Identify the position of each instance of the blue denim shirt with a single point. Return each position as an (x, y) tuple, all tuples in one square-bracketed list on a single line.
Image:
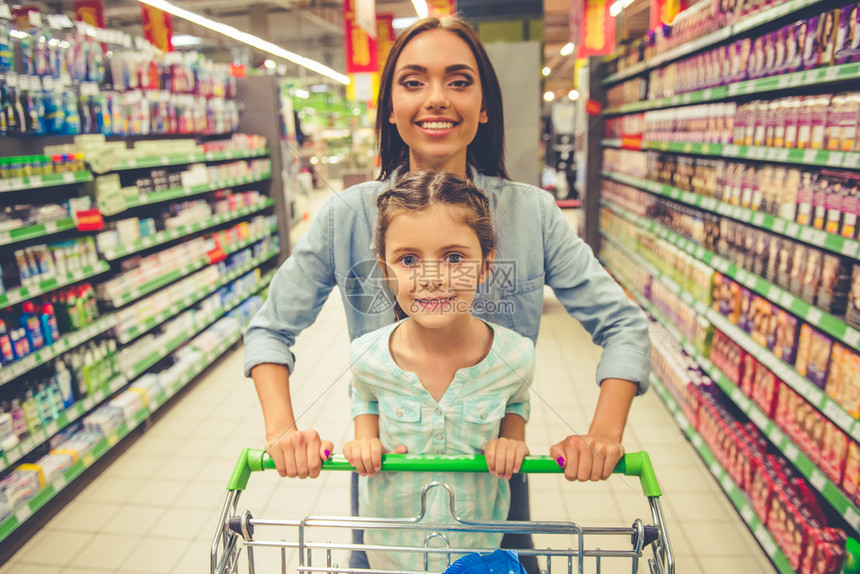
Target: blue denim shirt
[(535, 247)]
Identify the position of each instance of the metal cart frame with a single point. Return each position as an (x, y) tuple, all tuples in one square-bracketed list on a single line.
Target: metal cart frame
[(236, 528)]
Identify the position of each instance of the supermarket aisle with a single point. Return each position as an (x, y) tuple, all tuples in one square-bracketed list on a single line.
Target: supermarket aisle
[(155, 508)]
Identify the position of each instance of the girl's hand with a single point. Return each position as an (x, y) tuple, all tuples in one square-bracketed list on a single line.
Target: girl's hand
[(365, 454), (587, 457), (299, 453), (505, 456)]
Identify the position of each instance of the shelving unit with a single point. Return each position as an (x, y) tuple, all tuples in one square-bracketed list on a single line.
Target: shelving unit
[(718, 37), (110, 263), (830, 492), (818, 80)]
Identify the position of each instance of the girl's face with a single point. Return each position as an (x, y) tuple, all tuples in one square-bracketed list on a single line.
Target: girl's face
[(434, 265), (437, 100)]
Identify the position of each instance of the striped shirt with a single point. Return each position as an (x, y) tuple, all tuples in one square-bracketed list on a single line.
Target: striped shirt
[(462, 422)]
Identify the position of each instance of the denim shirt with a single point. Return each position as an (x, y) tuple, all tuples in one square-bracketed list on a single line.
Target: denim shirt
[(535, 246)]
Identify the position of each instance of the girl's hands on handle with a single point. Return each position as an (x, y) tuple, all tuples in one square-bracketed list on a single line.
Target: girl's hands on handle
[(505, 456), (365, 454)]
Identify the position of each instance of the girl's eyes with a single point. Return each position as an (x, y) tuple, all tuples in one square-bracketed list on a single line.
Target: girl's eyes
[(409, 260), (460, 83), (454, 258)]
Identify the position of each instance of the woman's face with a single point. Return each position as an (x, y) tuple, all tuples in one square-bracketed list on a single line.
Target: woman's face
[(437, 100)]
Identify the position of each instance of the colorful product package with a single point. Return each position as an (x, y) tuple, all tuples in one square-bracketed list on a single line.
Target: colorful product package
[(851, 476), (786, 336), (848, 35), (834, 452), (811, 53), (828, 23), (852, 315)]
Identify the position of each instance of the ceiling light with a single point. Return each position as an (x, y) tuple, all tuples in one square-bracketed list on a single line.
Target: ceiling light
[(180, 40), (567, 50), (247, 38), (420, 8), (573, 95), (545, 72), (270, 64), (548, 96), (300, 93)]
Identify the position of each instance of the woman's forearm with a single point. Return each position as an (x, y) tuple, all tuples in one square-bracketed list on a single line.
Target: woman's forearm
[(273, 389), (613, 406)]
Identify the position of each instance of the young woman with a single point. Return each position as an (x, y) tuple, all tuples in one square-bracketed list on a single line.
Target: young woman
[(440, 380), (440, 108)]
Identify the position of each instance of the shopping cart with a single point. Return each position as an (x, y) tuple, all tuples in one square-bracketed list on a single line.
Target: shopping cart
[(236, 528)]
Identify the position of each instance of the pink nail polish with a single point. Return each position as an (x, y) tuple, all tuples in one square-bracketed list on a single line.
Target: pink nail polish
[(327, 453), (560, 461)]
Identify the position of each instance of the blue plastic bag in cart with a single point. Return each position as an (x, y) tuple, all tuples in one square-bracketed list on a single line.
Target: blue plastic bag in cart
[(498, 562)]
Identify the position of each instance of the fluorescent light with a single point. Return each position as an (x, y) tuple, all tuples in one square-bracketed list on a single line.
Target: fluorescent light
[(300, 93), (546, 71), (403, 23), (420, 8), (567, 49), (180, 40), (548, 96), (247, 38), (573, 95)]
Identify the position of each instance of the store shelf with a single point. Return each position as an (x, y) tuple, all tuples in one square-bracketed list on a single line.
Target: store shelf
[(19, 294), (745, 25), (813, 157), (160, 160), (152, 322), (182, 192), (171, 234), (816, 77), (189, 268), (827, 241), (36, 231), (48, 180), (70, 415), (833, 326), (830, 491), (197, 326), (735, 494), (51, 490), (14, 370)]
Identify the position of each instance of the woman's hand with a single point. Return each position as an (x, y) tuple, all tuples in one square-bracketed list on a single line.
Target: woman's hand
[(365, 454), (587, 457), (505, 456), (299, 453)]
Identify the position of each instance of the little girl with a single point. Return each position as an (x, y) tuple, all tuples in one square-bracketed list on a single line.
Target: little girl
[(439, 380)]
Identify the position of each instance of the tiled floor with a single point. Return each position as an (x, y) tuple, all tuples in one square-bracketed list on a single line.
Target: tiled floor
[(155, 509)]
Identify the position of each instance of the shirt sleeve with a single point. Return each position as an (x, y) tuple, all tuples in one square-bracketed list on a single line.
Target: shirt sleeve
[(593, 297), (296, 294), (520, 402), (363, 396)]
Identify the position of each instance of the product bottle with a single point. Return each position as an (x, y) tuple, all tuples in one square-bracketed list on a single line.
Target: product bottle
[(32, 328), (31, 411), (89, 371), (54, 400), (20, 344), (63, 379), (43, 405), (80, 384), (113, 358), (19, 421), (84, 318), (7, 355), (48, 321)]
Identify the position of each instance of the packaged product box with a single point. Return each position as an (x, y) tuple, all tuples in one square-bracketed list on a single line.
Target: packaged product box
[(779, 49), (795, 43), (761, 492), (848, 35), (819, 121), (850, 206), (786, 336), (805, 190), (828, 24), (798, 267), (795, 532), (763, 321), (811, 52), (791, 118), (761, 253), (852, 314), (811, 275), (748, 375), (825, 551), (833, 205), (804, 121), (804, 349), (765, 390), (848, 122), (834, 452), (851, 476), (832, 295), (769, 54), (757, 59), (848, 389), (834, 122)]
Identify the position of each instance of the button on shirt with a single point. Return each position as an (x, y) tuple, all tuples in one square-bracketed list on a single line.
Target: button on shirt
[(462, 422)]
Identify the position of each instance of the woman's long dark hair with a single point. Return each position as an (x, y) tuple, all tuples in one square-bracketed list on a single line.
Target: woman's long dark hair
[(487, 151)]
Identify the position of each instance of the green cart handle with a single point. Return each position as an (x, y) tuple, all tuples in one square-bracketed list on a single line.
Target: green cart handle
[(632, 464)]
